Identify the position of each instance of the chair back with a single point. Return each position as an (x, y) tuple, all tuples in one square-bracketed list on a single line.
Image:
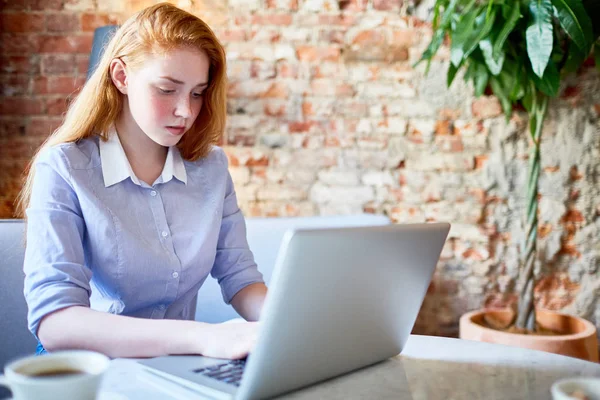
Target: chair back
[(16, 339)]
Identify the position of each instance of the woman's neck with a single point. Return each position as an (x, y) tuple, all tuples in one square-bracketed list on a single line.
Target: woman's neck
[(146, 157)]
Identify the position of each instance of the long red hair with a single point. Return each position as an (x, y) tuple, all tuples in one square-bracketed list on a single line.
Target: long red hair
[(154, 30)]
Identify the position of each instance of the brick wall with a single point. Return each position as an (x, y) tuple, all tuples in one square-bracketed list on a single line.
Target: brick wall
[(328, 116)]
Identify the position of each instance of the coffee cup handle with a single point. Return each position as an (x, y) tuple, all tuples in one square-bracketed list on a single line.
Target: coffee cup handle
[(4, 382)]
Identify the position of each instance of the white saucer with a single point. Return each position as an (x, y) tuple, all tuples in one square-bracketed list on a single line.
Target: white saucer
[(562, 389)]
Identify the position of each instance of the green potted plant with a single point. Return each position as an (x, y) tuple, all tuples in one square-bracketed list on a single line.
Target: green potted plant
[(519, 50)]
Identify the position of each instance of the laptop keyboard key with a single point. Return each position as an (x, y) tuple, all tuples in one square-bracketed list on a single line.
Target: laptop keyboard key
[(229, 372)]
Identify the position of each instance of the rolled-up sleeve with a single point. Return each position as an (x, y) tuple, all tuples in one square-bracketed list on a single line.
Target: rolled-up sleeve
[(234, 266), (55, 273)]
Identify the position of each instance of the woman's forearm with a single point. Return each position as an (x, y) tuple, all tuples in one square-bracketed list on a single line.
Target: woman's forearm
[(119, 336), (249, 301)]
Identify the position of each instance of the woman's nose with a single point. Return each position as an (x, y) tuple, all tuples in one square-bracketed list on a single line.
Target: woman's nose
[(183, 108)]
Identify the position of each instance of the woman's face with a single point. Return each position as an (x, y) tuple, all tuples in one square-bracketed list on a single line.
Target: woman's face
[(165, 94)]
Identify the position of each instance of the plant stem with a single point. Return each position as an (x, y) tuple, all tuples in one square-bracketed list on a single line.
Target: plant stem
[(537, 115)]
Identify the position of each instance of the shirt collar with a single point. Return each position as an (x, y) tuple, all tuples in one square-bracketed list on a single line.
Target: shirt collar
[(116, 167)]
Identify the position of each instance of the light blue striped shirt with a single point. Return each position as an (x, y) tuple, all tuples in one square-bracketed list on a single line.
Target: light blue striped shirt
[(98, 236)]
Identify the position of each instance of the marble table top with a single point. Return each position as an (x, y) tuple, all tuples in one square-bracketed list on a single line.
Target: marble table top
[(428, 368)]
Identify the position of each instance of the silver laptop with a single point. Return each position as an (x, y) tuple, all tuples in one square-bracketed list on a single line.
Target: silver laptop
[(340, 299)]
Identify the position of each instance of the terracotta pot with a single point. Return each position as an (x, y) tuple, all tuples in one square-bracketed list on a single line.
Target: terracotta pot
[(579, 339)]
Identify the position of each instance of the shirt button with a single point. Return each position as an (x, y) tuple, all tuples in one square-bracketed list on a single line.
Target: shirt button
[(175, 275), (161, 307), (153, 193), (164, 234)]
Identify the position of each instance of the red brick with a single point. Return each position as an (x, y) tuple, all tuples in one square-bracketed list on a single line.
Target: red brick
[(443, 127), (307, 109), (298, 127), (574, 173), (312, 53), (486, 107), (49, 5), (59, 64), (66, 44), (286, 70), (572, 216), (369, 37), (89, 22), (21, 106), (62, 22), (344, 90), (19, 44), (387, 5), (20, 64), (277, 90), (29, 5), (290, 5), (42, 126), (63, 84), (40, 85), (404, 37), (332, 36), (11, 126), (241, 140), (397, 54), (275, 110), (14, 84), (83, 62), (449, 143), (231, 35), (337, 19), (480, 161), (56, 106), (353, 5), (272, 19), (22, 22)]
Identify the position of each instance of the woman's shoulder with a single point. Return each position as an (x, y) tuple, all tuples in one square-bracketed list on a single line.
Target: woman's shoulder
[(82, 154), (216, 156)]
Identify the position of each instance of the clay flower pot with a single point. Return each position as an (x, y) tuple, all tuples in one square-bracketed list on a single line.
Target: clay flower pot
[(578, 340)]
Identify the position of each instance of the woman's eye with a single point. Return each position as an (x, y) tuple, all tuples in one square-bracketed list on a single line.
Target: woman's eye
[(198, 94), (165, 91)]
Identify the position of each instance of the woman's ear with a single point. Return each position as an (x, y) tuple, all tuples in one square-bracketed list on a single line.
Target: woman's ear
[(118, 74)]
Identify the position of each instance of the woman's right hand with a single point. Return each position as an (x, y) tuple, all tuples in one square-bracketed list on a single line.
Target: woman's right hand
[(228, 340)]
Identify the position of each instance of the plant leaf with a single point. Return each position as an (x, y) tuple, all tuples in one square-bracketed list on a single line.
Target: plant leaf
[(574, 20), (592, 8), (597, 56), (486, 23), (539, 35), (460, 37), (499, 91), (549, 83), (510, 24), (452, 70), (440, 32), (481, 78), (493, 63), (575, 59)]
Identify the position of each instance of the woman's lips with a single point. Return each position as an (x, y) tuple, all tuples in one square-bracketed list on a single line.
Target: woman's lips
[(176, 130)]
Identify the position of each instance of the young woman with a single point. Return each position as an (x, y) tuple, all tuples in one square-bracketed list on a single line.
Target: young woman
[(130, 205)]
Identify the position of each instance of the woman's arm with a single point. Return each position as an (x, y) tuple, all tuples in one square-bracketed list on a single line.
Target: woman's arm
[(120, 336), (249, 301)]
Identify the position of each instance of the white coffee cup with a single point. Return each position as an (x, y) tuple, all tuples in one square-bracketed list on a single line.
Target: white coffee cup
[(73, 375)]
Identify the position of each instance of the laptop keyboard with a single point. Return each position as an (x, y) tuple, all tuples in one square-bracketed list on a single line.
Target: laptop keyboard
[(229, 372)]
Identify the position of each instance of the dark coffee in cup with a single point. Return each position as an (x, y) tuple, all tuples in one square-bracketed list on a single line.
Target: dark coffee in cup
[(57, 373)]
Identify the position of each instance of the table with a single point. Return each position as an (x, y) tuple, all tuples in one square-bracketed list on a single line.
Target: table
[(429, 367)]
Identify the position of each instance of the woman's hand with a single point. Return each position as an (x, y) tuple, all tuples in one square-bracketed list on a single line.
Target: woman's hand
[(227, 340)]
